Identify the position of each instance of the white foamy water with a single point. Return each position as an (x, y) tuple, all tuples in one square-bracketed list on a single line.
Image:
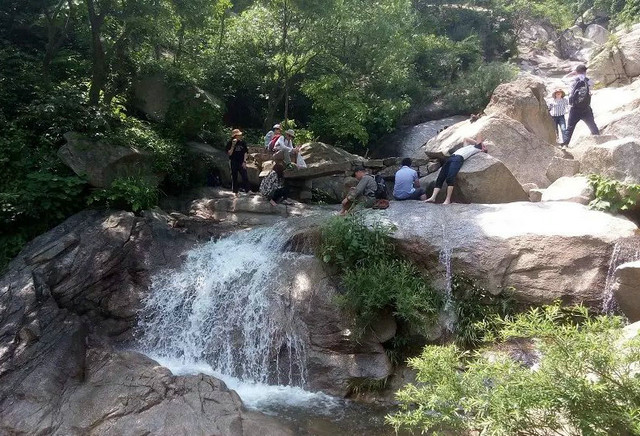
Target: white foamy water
[(261, 396), (223, 312)]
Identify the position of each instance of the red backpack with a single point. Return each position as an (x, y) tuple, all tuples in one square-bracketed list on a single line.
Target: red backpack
[(272, 143)]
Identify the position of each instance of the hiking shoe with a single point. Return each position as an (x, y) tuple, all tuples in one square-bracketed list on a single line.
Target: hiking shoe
[(290, 166), (287, 202)]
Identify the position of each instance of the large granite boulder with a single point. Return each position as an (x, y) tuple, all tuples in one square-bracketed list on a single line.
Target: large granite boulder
[(323, 160), (544, 251), (482, 179), (574, 189), (102, 163), (524, 101), (156, 97), (620, 62), (209, 162), (523, 153), (618, 158), (627, 289), (561, 167)]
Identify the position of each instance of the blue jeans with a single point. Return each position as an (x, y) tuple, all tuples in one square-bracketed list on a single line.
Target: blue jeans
[(449, 171), (560, 123)]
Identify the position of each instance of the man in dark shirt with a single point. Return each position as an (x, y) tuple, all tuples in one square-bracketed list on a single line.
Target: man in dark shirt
[(237, 151), (580, 110)]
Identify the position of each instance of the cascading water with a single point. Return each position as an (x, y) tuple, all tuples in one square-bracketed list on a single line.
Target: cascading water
[(444, 257), (226, 307), (623, 252)]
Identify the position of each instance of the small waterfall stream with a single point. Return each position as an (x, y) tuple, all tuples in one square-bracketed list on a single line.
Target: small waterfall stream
[(623, 252)]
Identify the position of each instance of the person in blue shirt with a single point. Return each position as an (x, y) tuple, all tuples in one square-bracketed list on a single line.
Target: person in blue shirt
[(407, 185)]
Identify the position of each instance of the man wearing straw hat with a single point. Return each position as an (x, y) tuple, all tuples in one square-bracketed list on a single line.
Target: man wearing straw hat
[(558, 108), (237, 150), (284, 148)]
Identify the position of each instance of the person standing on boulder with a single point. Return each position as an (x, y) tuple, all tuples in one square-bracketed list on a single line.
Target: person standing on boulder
[(450, 169), (407, 185), (237, 150), (558, 108), (580, 101)]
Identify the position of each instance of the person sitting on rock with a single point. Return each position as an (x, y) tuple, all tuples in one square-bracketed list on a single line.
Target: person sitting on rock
[(558, 108), (273, 135), (237, 150), (273, 186), (407, 185), (450, 169), (580, 101), (363, 194), (284, 149)]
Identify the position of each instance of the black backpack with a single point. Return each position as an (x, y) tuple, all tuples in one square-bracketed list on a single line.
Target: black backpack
[(580, 97), (381, 190)]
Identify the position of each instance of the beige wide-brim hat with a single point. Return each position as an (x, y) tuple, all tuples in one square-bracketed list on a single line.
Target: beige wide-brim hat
[(236, 132), (290, 133), (559, 90)]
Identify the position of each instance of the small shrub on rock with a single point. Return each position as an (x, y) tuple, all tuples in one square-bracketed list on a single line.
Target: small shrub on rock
[(129, 193), (585, 382)]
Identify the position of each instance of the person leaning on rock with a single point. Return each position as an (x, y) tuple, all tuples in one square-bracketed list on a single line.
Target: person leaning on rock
[(407, 183), (237, 150), (450, 169), (363, 194), (580, 101)]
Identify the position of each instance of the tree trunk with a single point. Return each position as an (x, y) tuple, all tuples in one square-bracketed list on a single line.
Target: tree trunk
[(55, 36), (98, 68)]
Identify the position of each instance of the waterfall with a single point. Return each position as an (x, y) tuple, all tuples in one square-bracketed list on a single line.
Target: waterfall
[(444, 257), (623, 252), (227, 308)]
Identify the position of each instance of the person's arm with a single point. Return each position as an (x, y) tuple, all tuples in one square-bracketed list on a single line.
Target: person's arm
[(231, 146), (359, 191), (246, 153), (416, 180)]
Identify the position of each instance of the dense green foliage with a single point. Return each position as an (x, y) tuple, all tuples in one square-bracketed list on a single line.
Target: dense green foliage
[(584, 383), (129, 193), (477, 311), (374, 277), (613, 195)]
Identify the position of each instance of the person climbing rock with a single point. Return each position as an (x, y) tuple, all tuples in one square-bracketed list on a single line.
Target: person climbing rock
[(363, 194), (558, 108), (284, 148), (407, 185), (580, 101), (237, 150), (273, 185), (450, 169)]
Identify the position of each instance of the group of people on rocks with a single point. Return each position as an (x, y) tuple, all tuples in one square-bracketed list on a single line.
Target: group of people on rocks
[(578, 105), (281, 145), (407, 183)]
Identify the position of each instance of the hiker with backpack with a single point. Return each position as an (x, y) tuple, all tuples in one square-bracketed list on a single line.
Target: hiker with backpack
[(407, 183), (450, 169), (272, 137), (284, 148), (237, 150), (558, 108), (363, 194), (580, 101)]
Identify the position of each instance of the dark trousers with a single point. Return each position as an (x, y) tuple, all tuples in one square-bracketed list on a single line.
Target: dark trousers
[(576, 115), (449, 171), (279, 194), (236, 167), (560, 124)]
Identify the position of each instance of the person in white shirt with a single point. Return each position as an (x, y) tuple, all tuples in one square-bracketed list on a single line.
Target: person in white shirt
[(276, 130), (450, 169), (407, 185), (284, 148), (558, 107)]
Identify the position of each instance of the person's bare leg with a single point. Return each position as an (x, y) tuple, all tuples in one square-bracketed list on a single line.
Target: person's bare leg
[(273, 203), (432, 199), (449, 194)]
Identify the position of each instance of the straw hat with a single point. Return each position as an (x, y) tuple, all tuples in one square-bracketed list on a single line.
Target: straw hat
[(559, 90), (236, 132), (290, 133)]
